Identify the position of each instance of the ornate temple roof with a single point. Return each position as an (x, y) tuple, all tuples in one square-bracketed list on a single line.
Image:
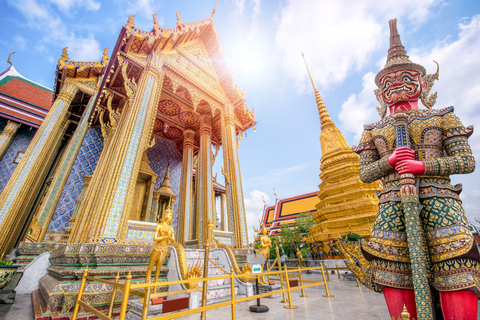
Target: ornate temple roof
[(23, 100), (198, 80), (285, 211)]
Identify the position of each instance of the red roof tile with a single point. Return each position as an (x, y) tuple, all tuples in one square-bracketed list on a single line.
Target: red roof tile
[(27, 91)]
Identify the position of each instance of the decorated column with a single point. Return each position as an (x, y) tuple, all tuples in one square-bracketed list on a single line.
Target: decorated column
[(236, 208), (204, 192), (185, 212), (7, 136), (129, 142), (61, 173), (20, 192)]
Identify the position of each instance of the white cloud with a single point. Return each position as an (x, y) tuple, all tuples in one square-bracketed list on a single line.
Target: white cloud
[(254, 210), (19, 42), (42, 18), (240, 6), (257, 7), (144, 8), (337, 37), (67, 5), (83, 49)]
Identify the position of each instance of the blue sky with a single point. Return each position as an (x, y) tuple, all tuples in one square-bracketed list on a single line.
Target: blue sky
[(345, 43)]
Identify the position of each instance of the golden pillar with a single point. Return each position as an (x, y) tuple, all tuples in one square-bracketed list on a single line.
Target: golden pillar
[(63, 169), (185, 212), (22, 188), (237, 222), (91, 199), (7, 136), (104, 217), (204, 191)]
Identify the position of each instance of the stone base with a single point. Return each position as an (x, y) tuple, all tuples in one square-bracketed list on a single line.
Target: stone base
[(7, 294), (28, 251), (264, 288), (58, 290), (136, 308), (349, 277)]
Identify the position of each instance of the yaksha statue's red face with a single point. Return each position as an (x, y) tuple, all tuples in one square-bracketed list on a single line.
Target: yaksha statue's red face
[(403, 85)]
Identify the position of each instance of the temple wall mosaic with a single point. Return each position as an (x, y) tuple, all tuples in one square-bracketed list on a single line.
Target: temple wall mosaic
[(84, 164), (160, 156), (20, 143)]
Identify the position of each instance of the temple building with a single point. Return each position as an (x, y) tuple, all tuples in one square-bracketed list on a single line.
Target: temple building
[(121, 142), (23, 106), (286, 210), (346, 204)]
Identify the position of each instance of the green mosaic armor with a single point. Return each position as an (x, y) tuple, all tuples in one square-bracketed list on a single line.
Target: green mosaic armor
[(441, 141)]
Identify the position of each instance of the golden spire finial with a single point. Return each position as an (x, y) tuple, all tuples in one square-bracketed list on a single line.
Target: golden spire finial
[(213, 12), (8, 60), (130, 22), (179, 20), (322, 109)]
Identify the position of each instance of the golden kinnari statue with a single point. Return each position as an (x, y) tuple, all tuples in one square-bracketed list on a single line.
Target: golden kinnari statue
[(163, 236), (265, 244)]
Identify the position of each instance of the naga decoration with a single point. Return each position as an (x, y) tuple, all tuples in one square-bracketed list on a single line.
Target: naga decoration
[(245, 270), (156, 25), (113, 115), (421, 248), (130, 84), (64, 58)]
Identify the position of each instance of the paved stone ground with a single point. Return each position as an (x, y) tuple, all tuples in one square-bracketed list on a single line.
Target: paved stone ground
[(350, 302)]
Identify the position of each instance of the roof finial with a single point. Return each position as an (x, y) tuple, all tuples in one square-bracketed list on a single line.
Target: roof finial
[(130, 21), (213, 12), (156, 24), (179, 20), (8, 60), (322, 109)]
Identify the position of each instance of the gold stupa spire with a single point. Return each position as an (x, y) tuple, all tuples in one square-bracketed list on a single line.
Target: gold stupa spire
[(345, 203), (322, 110)]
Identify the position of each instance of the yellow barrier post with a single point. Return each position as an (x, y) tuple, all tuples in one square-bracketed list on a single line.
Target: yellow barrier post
[(326, 286), (80, 292), (300, 264), (358, 282), (281, 276), (338, 271), (326, 271), (206, 246), (290, 306), (114, 293), (232, 292), (146, 301), (126, 293)]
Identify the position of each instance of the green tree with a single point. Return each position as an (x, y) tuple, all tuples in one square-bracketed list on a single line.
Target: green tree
[(293, 236)]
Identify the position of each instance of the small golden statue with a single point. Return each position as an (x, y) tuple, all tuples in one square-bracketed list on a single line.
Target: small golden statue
[(163, 236), (265, 244)]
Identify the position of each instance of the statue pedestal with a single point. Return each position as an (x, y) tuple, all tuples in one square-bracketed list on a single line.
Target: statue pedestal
[(7, 294), (264, 288)]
